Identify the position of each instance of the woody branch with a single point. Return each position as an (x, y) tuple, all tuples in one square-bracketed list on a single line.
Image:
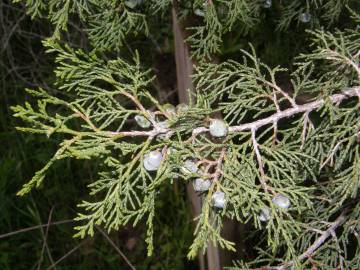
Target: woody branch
[(273, 119), (316, 244)]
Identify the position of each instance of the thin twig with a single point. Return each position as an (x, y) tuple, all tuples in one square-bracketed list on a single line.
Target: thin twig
[(135, 100), (333, 151), (219, 162), (304, 131), (318, 242), (260, 163), (275, 125), (87, 120), (276, 101), (35, 227), (116, 248), (278, 89), (68, 254), (45, 245)]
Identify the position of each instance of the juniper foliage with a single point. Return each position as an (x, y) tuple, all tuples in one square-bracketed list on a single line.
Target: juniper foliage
[(301, 142)]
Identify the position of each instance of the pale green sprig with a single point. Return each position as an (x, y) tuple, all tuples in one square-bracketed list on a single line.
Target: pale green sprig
[(279, 144)]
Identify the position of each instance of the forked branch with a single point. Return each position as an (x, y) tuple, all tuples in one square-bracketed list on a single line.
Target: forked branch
[(311, 250), (308, 107)]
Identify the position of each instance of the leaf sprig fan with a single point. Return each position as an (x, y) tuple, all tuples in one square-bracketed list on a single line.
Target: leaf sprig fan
[(288, 167)]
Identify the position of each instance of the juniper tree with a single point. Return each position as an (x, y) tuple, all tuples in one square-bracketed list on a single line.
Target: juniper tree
[(281, 158)]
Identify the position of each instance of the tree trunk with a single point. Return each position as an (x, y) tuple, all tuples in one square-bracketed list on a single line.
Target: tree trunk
[(184, 70)]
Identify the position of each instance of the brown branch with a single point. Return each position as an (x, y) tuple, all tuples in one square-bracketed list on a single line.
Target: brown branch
[(135, 100), (195, 133), (276, 102), (275, 125), (137, 133), (273, 119), (87, 120), (352, 92), (219, 162), (278, 89), (260, 163)]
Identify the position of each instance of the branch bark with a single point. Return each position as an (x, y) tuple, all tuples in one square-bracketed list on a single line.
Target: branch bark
[(273, 119), (308, 107)]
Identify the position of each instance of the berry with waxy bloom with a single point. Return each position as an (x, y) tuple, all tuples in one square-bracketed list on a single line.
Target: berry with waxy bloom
[(218, 128), (189, 167), (142, 121), (133, 3), (152, 160), (281, 201), (265, 214), (305, 17), (201, 185), (199, 12), (219, 199), (267, 4)]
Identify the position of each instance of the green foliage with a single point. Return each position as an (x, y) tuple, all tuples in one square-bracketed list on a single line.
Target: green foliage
[(23, 63), (112, 22), (299, 140)]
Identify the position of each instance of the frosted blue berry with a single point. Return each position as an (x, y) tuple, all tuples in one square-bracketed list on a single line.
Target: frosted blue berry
[(281, 201), (201, 185), (152, 160), (189, 167), (267, 4), (305, 17), (199, 12), (142, 121), (218, 128), (265, 214), (219, 199), (131, 3)]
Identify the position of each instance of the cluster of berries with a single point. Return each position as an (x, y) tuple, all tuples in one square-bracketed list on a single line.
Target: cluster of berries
[(170, 111), (152, 160), (279, 200), (202, 184), (218, 129)]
